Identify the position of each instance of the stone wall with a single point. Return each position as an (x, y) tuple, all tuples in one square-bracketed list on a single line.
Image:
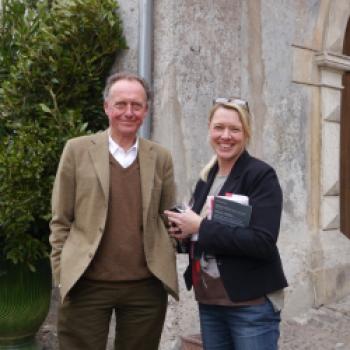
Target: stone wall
[(195, 59)]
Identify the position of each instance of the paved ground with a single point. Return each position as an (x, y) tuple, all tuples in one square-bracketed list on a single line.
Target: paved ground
[(326, 328)]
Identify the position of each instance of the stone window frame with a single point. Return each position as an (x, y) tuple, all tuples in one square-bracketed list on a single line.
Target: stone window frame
[(332, 67)]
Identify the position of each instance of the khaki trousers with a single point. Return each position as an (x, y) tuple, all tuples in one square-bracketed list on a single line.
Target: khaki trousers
[(139, 306)]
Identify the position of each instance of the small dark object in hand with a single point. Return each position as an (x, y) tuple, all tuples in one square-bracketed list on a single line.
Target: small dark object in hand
[(176, 209)]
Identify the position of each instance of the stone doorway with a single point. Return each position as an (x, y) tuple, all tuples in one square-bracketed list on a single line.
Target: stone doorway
[(345, 145)]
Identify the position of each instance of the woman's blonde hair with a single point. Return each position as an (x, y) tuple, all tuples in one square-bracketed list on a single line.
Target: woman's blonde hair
[(244, 117)]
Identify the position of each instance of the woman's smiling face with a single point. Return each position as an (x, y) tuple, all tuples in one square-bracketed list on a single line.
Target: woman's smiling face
[(226, 135)]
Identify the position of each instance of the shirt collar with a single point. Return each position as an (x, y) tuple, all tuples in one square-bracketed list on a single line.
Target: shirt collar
[(114, 147)]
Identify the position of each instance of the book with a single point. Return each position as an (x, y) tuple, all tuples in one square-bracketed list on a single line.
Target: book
[(231, 210)]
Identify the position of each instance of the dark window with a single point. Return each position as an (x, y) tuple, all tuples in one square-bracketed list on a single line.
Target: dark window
[(345, 145)]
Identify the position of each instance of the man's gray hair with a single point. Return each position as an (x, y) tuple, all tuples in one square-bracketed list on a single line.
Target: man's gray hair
[(126, 76)]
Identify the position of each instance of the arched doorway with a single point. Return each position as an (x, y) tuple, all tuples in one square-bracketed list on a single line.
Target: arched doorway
[(345, 145)]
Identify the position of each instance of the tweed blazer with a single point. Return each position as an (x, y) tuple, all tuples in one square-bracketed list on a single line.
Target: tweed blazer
[(80, 205), (247, 257)]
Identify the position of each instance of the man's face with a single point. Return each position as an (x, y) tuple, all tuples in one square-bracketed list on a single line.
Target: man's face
[(126, 108)]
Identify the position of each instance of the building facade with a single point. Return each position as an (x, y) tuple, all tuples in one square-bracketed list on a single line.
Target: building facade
[(291, 61)]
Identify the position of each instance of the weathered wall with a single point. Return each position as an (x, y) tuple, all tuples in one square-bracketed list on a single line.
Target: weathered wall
[(129, 12), (195, 59), (263, 51), (281, 124)]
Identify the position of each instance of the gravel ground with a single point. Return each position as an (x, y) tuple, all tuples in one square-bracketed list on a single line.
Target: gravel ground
[(326, 328)]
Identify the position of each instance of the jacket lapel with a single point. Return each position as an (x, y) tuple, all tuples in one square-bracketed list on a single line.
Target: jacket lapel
[(147, 160), (235, 173), (204, 189), (100, 158)]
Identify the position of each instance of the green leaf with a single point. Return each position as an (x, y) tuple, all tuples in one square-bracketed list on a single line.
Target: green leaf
[(44, 108)]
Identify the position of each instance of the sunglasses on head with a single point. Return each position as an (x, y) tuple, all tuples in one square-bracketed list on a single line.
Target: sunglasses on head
[(232, 101)]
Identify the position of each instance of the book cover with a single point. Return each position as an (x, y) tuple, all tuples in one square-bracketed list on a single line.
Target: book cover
[(226, 210)]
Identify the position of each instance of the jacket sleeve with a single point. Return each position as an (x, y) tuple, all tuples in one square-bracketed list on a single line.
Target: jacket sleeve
[(258, 240), (63, 198), (167, 199)]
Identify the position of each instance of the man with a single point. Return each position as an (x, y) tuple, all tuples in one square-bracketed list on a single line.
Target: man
[(110, 247)]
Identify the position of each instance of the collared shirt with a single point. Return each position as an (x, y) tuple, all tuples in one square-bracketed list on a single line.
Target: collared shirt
[(124, 158)]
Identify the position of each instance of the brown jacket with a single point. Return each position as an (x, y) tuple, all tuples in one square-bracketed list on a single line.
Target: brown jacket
[(80, 203)]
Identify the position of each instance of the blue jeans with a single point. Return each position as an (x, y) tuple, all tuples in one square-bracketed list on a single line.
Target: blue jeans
[(253, 327)]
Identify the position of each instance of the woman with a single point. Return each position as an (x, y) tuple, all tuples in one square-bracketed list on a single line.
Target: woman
[(236, 271)]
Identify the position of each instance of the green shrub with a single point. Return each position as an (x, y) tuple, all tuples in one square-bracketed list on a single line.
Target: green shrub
[(54, 59)]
